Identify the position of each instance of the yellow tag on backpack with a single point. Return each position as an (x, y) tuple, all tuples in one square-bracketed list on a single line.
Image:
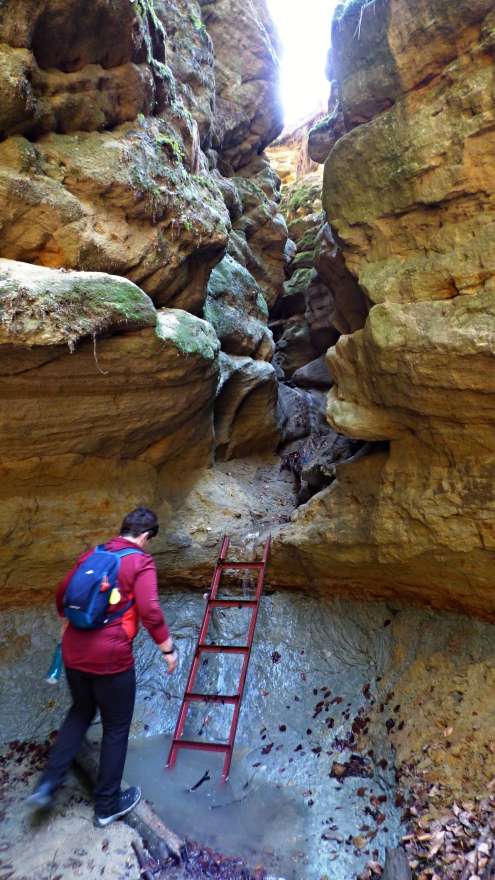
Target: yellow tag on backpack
[(115, 597)]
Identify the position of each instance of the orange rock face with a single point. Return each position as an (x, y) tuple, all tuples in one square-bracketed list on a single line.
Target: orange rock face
[(121, 127), (409, 190)]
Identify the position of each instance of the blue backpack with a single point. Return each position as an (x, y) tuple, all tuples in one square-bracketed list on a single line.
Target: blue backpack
[(87, 596)]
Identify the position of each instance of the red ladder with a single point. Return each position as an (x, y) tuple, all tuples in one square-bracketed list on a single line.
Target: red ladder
[(201, 647)]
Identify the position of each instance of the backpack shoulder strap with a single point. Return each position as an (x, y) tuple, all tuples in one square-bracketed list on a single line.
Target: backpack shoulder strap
[(127, 551)]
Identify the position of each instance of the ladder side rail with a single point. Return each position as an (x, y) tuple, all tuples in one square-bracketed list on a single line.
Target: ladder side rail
[(191, 679), (242, 680), (200, 646), (185, 705), (215, 581)]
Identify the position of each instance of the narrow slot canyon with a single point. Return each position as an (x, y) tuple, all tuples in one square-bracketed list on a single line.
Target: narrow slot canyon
[(257, 318)]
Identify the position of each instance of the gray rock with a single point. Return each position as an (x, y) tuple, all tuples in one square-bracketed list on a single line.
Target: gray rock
[(245, 410), (236, 308), (294, 413), (314, 375)]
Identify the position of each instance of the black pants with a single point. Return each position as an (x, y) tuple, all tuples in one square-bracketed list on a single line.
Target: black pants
[(114, 696)]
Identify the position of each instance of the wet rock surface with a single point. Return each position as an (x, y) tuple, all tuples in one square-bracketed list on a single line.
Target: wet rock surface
[(335, 689)]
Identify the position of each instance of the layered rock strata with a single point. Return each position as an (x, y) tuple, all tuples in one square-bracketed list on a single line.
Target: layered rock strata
[(131, 166), (101, 392), (408, 191)]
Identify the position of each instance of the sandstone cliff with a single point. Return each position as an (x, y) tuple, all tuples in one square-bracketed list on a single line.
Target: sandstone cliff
[(409, 194), (131, 165)]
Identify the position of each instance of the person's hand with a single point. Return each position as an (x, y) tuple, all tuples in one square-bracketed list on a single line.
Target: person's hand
[(171, 661)]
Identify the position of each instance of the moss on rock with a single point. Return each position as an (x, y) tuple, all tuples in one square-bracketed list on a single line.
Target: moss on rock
[(236, 307), (190, 335), (40, 306)]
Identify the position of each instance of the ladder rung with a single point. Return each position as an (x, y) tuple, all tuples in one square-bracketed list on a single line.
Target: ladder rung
[(212, 698), (226, 564), (201, 746), (202, 647)]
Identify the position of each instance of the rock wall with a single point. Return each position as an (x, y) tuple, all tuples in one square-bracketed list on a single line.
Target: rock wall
[(409, 193), (289, 153), (340, 696), (131, 148), (131, 166)]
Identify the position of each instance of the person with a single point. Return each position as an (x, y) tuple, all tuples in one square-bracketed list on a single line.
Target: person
[(99, 666)]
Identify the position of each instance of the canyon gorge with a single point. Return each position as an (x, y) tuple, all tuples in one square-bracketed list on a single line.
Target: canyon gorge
[(256, 331)]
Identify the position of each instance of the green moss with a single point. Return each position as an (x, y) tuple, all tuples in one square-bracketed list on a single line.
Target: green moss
[(190, 335), (299, 281), (262, 306), (164, 73), (204, 180), (197, 21), (301, 197), (322, 124), (68, 306), (235, 306), (173, 146)]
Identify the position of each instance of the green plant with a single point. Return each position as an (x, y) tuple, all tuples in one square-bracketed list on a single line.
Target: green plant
[(172, 144), (197, 22)]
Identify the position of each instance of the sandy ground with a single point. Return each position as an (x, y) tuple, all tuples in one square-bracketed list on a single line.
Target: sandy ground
[(60, 844)]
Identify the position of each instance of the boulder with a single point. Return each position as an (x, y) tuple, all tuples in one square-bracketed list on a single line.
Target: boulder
[(294, 413), (108, 393), (261, 230), (325, 134), (237, 310), (409, 192), (348, 305), (246, 408), (109, 200), (40, 306), (315, 374), (294, 348)]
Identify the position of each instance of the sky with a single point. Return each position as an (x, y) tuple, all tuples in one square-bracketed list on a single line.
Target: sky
[(304, 30)]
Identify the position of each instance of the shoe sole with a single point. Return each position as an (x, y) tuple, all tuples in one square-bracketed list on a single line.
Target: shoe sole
[(101, 822)]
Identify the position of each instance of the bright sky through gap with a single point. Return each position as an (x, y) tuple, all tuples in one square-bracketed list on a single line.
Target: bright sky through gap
[(304, 30)]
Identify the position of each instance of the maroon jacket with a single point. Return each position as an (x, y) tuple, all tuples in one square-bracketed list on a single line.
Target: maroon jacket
[(108, 650)]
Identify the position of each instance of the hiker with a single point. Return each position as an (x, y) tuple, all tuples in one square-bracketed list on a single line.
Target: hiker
[(99, 663)]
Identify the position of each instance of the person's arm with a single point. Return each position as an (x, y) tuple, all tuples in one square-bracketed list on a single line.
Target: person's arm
[(150, 613)]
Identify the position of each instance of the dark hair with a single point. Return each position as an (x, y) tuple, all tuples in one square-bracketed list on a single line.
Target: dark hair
[(140, 520)]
